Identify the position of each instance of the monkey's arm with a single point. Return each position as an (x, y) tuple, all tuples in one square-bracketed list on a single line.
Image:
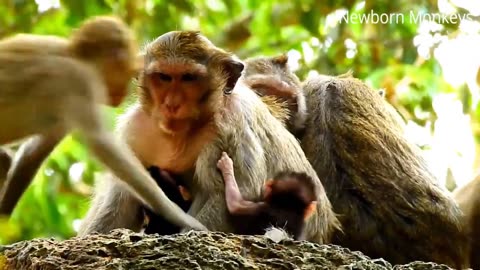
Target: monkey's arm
[(25, 165), (113, 207), (271, 84), (128, 168), (236, 205)]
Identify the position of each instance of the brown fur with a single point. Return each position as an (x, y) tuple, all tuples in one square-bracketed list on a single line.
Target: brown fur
[(270, 77), (389, 204), (53, 85), (286, 202), (469, 201), (183, 128)]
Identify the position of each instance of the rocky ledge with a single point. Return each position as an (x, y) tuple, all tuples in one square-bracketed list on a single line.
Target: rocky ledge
[(124, 249)]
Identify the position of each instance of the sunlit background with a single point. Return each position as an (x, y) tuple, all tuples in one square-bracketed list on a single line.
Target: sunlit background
[(429, 70)]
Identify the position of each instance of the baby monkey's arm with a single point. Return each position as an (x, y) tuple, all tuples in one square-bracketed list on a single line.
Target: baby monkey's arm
[(236, 205)]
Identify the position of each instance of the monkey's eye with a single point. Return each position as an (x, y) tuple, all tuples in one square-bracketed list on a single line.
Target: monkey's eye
[(163, 77), (188, 77)]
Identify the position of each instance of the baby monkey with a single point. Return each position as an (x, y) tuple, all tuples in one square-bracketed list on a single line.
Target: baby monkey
[(172, 185), (270, 77), (289, 199)]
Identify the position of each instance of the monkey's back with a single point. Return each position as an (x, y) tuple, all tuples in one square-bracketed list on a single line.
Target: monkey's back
[(32, 85), (388, 202)]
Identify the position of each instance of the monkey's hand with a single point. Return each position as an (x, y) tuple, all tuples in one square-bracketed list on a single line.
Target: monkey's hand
[(225, 165)]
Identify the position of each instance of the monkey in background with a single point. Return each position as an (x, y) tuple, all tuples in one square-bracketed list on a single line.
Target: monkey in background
[(468, 199), (288, 200), (387, 200), (54, 85), (192, 106), (271, 77)]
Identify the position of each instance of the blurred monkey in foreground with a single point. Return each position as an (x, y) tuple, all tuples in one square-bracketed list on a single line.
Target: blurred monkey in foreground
[(50, 86)]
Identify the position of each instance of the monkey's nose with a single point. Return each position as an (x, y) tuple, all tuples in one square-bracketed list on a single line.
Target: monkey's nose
[(172, 108)]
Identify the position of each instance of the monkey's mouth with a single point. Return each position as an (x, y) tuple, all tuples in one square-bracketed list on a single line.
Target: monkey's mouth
[(174, 126)]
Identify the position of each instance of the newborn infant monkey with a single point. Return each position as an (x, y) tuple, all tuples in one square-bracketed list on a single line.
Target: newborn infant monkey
[(289, 199)]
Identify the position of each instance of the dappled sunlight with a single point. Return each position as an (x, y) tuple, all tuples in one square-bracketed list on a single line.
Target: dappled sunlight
[(459, 58), (44, 5), (451, 145), (76, 171), (294, 57)]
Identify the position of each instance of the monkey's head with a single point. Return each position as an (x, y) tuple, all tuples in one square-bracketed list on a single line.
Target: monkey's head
[(184, 79), (294, 189), (108, 44), (276, 66)]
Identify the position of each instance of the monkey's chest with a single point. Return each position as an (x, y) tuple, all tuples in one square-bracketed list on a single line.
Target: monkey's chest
[(170, 157)]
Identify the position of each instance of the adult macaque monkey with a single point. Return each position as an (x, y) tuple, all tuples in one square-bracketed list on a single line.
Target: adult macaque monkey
[(468, 198), (50, 85), (389, 204), (187, 114)]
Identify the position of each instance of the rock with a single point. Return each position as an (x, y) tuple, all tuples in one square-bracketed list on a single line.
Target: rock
[(124, 249)]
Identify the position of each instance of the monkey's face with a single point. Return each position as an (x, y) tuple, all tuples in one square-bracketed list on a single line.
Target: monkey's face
[(109, 45), (118, 68), (184, 79), (117, 74)]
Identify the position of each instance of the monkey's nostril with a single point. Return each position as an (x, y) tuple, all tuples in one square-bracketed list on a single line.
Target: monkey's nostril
[(172, 108)]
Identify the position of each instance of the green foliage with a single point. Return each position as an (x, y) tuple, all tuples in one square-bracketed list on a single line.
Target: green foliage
[(383, 54)]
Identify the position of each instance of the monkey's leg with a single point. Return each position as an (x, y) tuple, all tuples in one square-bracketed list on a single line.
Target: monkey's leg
[(25, 165), (113, 207)]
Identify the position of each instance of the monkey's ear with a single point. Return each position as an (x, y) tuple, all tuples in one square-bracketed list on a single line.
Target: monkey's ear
[(280, 60), (234, 67), (310, 210), (268, 188), (269, 183)]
